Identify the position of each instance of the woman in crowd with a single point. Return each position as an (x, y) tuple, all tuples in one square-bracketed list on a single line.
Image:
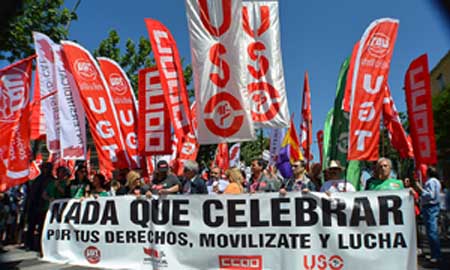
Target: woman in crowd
[(235, 178), (98, 186)]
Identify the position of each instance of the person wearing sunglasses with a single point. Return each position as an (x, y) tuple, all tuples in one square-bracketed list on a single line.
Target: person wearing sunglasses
[(300, 181)]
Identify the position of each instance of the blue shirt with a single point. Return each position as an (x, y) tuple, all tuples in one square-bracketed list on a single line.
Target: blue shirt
[(431, 191)]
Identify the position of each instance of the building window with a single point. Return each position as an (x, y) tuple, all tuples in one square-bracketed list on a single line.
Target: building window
[(441, 82)]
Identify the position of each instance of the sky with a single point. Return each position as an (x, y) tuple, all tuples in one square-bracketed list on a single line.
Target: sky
[(316, 36)]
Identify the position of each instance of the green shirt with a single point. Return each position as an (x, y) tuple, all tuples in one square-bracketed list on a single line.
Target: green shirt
[(388, 184)]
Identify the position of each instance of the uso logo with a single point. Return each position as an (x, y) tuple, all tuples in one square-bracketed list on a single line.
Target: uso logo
[(232, 262), (92, 254), (85, 69), (379, 45), (322, 262)]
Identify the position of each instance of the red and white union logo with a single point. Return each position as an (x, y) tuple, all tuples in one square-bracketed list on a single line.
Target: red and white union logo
[(85, 69)]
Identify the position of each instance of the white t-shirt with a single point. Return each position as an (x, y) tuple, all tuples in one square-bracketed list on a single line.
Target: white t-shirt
[(337, 186)]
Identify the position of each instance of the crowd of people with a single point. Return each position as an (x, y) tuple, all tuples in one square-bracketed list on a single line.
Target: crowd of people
[(23, 208)]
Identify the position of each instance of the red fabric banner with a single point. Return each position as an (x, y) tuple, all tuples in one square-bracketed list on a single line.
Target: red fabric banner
[(37, 115), (121, 91), (222, 159), (420, 112), (171, 74), (348, 85), (154, 126), (371, 69), (320, 144), (397, 134), (97, 103), (306, 125), (15, 112)]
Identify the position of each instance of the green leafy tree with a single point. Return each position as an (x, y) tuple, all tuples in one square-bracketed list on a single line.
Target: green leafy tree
[(134, 58), (23, 17), (441, 115)]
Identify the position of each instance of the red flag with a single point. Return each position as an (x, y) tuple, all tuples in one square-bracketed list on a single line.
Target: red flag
[(125, 105), (171, 75), (154, 135), (15, 82), (34, 170), (100, 112), (394, 126), (371, 69), (320, 143), (37, 115), (420, 112), (348, 85), (222, 159), (38, 159), (306, 125)]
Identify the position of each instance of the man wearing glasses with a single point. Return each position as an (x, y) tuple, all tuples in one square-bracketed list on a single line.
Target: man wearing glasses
[(300, 181)]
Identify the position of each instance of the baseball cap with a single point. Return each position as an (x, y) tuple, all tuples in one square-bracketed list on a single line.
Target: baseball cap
[(162, 166)]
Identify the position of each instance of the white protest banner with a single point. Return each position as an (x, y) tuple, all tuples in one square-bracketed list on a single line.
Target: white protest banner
[(47, 85), (263, 67), (71, 112), (223, 110), (258, 231)]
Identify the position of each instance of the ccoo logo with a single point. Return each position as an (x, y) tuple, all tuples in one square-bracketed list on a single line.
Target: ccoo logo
[(232, 262), (85, 69)]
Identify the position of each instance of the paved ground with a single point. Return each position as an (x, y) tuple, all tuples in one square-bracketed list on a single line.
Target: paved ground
[(15, 258)]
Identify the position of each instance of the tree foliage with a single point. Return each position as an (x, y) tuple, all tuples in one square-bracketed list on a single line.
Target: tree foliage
[(441, 115), (134, 58), (24, 17)]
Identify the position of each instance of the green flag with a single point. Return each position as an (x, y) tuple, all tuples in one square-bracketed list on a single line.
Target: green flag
[(326, 139), (338, 144)]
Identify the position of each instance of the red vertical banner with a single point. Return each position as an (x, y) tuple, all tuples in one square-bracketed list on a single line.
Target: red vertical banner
[(97, 103), (124, 101), (37, 115), (348, 85), (306, 125), (371, 70), (154, 135), (222, 159), (420, 112), (171, 75), (393, 124), (15, 112), (320, 144)]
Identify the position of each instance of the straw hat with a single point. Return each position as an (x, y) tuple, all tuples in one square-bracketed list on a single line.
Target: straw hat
[(335, 164)]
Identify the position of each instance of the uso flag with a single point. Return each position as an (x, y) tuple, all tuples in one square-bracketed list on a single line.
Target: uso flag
[(222, 100), (263, 68)]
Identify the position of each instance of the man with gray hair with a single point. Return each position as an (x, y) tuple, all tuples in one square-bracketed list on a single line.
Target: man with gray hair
[(382, 178), (192, 182)]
